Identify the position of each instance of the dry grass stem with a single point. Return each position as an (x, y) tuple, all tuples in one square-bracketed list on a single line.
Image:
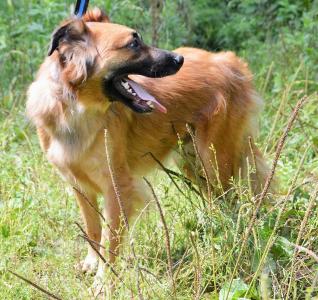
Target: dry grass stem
[(309, 252), (115, 187), (123, 213), (89, 202), (303, 224), (172, 173), (269, 179), (50, 295), (107, 264), (198, 271), (282, 206), (209, 192), (166, 231)]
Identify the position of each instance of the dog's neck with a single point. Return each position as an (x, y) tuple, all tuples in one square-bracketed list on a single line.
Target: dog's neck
[(76, 132), (69, 124), (77, 124)]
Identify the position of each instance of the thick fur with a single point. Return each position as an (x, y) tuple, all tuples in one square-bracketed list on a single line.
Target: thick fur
[(212, 93)]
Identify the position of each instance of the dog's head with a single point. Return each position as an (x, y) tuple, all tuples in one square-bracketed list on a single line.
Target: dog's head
[(96, 57)]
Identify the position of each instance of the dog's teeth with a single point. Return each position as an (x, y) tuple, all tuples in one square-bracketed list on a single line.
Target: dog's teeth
[(134, 94), (150, 104), (125, 85)]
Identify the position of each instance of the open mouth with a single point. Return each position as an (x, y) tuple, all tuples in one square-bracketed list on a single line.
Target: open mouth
[(135, 96)]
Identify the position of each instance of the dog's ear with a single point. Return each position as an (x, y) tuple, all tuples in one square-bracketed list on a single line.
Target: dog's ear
[(76, 52), (57, 35), (74, 30), (96, 15)]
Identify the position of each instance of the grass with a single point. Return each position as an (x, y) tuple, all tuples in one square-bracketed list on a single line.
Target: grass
[(40, 241)]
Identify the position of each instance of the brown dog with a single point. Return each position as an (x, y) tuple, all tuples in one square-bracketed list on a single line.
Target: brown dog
[(91, 81)]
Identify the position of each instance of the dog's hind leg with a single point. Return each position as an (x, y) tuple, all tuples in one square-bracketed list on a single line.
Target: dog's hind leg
[(89, 211), (204, 164), (188, 163)]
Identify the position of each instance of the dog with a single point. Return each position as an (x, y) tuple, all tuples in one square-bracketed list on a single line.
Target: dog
[(100, 77)]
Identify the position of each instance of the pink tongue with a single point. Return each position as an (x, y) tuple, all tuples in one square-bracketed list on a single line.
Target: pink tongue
[(144, 95)]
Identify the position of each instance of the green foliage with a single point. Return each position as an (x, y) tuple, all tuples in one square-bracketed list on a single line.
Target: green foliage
[(38, 238), (232, 23), (238, 290)]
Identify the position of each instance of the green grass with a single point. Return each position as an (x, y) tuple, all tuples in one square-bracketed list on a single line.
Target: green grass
[(38, 236)]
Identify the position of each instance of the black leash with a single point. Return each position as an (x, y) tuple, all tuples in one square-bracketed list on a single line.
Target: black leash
[(81, 8)]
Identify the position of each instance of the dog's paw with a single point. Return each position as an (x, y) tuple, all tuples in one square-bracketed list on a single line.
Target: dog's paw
[(103, 285), (89, 264), (98, 287)]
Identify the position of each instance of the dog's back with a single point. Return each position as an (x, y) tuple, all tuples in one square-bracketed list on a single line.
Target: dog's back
[(214, 97)]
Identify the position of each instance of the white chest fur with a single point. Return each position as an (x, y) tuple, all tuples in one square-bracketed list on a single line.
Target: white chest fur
[(74, 135)]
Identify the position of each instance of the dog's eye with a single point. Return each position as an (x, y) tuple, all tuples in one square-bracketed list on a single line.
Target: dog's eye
[(134, 44)]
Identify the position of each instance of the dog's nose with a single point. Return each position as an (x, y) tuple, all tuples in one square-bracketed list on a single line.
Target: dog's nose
[(178, 60)]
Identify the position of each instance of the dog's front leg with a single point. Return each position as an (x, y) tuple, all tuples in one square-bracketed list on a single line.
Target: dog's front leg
[(121, 203), (89, 211)]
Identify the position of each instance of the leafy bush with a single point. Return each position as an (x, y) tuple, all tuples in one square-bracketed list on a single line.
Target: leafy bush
[(230, 24)]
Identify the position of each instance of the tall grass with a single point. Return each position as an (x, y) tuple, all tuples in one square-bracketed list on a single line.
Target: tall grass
[(183, 247)]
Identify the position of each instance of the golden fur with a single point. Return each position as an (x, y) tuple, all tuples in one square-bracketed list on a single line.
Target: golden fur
[(212, 92)]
